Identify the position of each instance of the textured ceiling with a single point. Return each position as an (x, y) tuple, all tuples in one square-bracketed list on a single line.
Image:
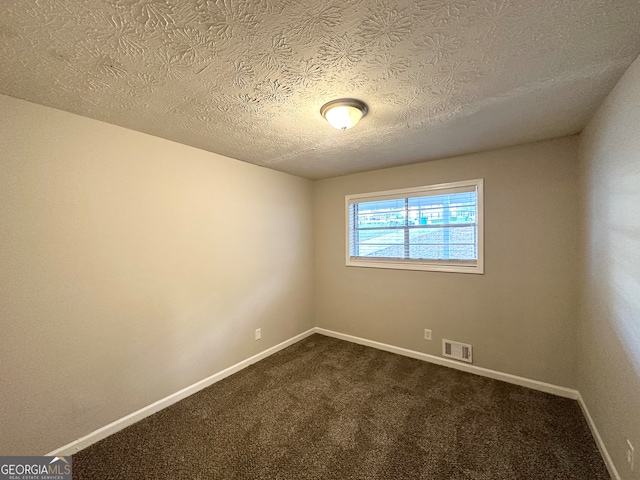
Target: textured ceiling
[(246, 78)]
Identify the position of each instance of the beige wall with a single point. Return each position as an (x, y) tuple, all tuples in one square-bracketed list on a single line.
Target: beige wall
[(609, 366), (520, 316), (132, 267), (129, 269)]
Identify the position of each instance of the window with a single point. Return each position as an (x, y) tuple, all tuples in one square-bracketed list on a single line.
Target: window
[(437, 227)]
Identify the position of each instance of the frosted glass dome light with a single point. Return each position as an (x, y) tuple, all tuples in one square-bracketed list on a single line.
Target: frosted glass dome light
[(344, 113)]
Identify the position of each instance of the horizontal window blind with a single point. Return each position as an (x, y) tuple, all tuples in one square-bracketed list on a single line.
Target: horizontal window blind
[(435, 225), (393, 196)]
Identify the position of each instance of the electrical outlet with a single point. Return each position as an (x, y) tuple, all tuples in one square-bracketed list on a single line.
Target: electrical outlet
[(427, 334), (258, 333), (630, 455)]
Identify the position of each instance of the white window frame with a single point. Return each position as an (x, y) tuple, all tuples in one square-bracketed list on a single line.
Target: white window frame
[(425, 265)]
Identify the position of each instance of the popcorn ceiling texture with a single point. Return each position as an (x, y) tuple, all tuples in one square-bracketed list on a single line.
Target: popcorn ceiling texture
[(246, 78)]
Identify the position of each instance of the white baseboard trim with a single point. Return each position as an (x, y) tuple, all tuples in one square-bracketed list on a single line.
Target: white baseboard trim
[(485, 372), (144, 412), (138, 415), (596, 435)]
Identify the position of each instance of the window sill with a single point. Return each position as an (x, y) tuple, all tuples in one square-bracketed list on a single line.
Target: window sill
[(422, 266)]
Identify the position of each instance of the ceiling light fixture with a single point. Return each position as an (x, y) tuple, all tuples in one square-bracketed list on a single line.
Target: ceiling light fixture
[(344, 113)]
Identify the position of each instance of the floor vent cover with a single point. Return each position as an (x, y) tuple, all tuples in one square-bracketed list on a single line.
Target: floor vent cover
[(457, 350)]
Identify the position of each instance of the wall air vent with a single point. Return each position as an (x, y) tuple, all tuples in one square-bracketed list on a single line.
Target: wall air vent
[(457, 350)]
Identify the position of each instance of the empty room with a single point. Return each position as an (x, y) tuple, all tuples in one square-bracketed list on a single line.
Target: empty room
[(294, 239)]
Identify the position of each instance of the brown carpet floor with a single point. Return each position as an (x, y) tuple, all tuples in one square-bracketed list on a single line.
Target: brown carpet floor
[(328, 409)]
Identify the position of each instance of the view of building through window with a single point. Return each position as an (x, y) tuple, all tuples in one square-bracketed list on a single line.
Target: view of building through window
[(435, 227)]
